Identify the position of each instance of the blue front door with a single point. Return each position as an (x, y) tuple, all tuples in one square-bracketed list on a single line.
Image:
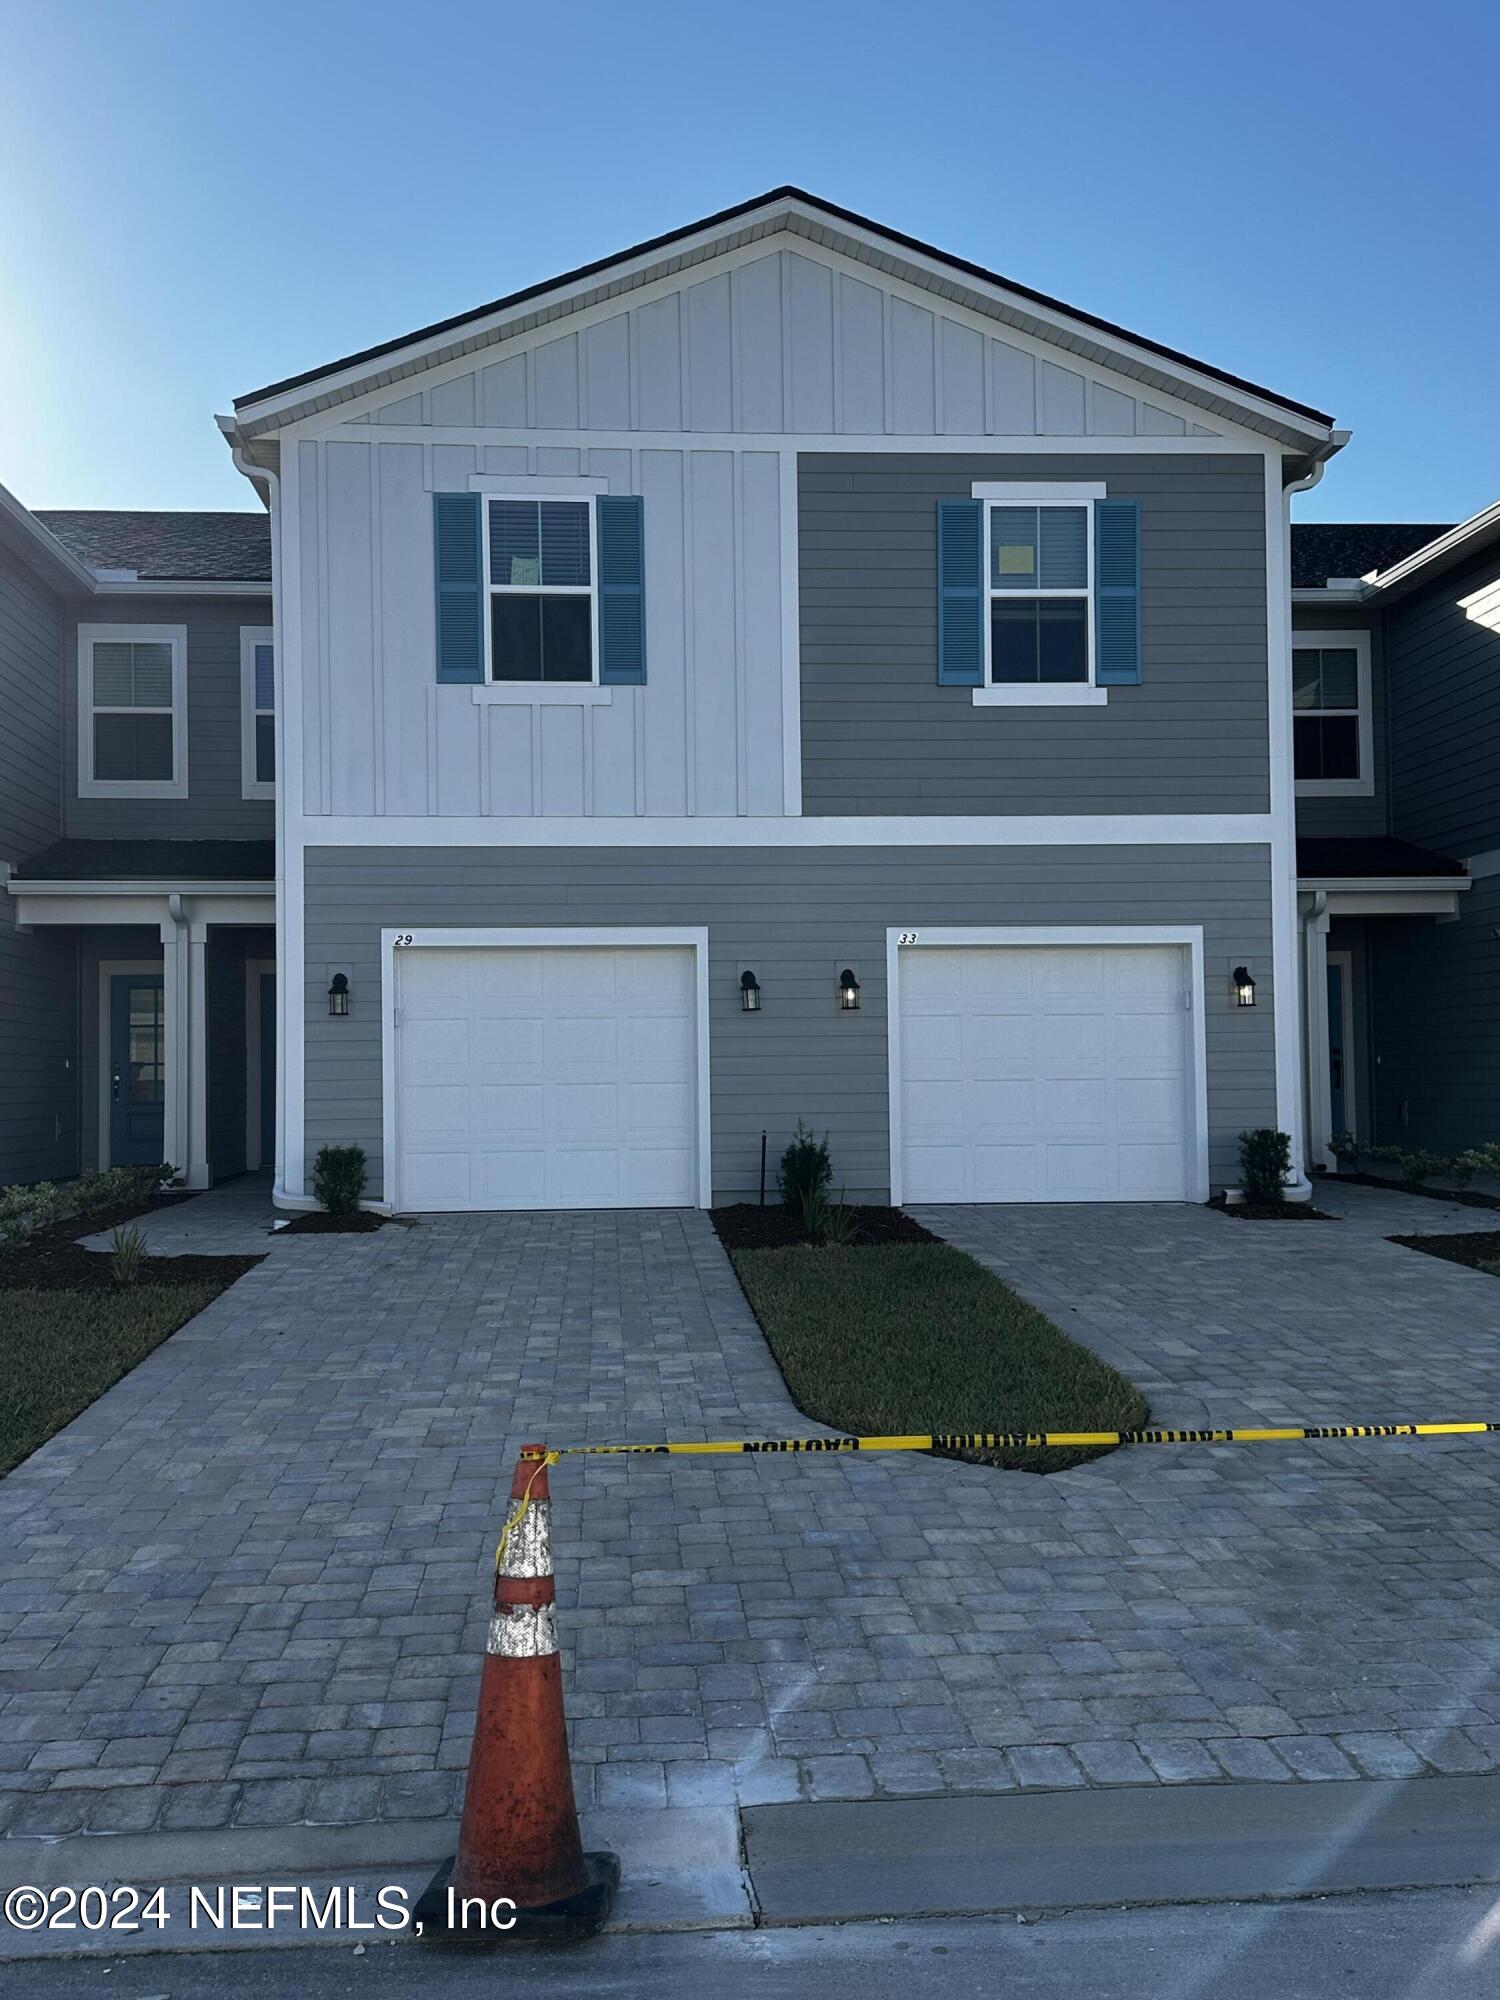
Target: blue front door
[(137, 1069), (1337, 1053), (267, 1068)]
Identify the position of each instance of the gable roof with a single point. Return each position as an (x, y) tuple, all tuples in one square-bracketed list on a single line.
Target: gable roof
[(166, 547), (789, 208), (1321, 549)]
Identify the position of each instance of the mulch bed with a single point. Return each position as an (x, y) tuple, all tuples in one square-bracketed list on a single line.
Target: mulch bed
[(51, 1261), (1465, 1197), (747, 1226), (1476, 1249), (318, 1222), (1274, 1211)]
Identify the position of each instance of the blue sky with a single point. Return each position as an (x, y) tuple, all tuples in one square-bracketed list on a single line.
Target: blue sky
[(199, 198)]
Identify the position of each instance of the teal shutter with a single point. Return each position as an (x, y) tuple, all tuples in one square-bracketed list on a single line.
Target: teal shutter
[(460, 593), (960, 541), (622, 589), (1117, 593)]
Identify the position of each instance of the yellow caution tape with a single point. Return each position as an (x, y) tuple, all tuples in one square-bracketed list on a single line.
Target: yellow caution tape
[(1014, 1440), (542, 1460)]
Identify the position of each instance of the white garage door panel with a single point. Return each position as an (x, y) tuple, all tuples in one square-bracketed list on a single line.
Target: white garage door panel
[(546, 1077), (1045, 1073)]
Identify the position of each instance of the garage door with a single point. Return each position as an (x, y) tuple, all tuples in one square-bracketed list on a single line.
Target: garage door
[(546, 1077), (1044, 1073)]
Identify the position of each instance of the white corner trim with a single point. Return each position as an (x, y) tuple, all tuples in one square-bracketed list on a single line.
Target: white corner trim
[(693, 937), (538, 485), (252, 636), (90, 787), (1364, 785), (541, 694), (1026, 694), (1028, 492), (1188, 936)]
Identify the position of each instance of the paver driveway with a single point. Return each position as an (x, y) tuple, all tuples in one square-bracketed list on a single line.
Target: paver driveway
[(248, 1585)]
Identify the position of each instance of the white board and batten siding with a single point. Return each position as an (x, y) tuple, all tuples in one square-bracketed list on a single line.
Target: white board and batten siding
[(1055, 1071)]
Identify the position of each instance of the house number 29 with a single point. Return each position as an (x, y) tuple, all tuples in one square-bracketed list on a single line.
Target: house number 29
[(403, 937)]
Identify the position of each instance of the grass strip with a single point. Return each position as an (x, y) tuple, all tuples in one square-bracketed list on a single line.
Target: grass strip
[(921, 1338)]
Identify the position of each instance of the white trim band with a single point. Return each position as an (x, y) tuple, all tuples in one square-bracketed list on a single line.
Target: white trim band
[(523, 1632)]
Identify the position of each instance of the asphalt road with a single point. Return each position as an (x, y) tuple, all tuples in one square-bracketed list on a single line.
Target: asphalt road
[(1404, 1946)]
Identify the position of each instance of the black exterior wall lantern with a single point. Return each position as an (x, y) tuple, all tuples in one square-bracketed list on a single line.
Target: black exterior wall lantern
[(749, 992), (338, 994), (848, 992), (1244, 987)]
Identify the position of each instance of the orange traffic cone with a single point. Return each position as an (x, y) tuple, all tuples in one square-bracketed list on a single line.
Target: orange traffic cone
[(521, 1873)]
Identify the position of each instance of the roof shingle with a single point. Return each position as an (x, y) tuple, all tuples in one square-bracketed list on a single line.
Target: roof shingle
[(216, 548), (1321, 549)]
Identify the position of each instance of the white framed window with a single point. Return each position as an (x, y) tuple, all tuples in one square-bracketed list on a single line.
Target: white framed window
[(1039, 614), (1333, 730), (542, 623), (132, 712), (257, 712)]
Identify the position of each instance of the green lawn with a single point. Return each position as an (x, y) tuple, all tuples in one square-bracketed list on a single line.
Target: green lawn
[(61, 1349), (919, 1338)]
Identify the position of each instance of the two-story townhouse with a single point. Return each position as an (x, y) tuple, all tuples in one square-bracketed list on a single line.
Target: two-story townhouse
[(781, 671), (137, 944), (1396, 652)]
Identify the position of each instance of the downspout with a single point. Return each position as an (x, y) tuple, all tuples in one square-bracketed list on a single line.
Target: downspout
[(1301, 1188), (261, 475)]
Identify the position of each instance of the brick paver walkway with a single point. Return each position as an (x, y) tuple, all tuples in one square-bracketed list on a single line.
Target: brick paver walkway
[(248, 1585)]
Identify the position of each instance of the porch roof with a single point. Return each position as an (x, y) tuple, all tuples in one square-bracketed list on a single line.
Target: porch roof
[(170, 861), (1377, 857)]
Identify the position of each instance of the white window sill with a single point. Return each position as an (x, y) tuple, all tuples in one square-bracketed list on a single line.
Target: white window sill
[(541, 694), (1067, 694)]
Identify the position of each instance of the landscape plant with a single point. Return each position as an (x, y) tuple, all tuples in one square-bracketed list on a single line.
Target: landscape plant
[(806, 1170), (127, 1253), (1265, 1162), (339, 1178)]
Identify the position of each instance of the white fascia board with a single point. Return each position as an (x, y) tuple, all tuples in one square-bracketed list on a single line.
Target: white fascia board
[(1313, 595), (1445, 547), (67, 572), (327, 395), (187, 587), (197, 887), (892, 830), (1384, 885)]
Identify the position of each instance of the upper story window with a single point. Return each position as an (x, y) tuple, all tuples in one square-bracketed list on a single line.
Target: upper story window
[(257, 712), (538, 560), (1039, 593), (1040, 561), (132, 711), (1332, 727)]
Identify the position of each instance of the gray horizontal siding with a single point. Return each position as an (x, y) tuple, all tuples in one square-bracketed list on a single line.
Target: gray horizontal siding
[(38, 1011), (1445, 716), (796, 916), (878, 733), (213, 809), (1367, 815)]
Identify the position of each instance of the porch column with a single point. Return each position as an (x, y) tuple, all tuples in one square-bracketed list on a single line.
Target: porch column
[(1315, 1015), (185, 1034)]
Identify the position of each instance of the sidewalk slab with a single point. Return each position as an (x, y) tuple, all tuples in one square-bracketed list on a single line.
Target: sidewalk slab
[(1101, 1849)]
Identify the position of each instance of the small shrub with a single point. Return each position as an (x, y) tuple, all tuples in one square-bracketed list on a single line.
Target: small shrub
[(23, 1209), (1419, 1165), (1265, 1162), (1463, 1168), (1387, 1155), (339, 1178), (806, 1169), (127, 1253), (1345, 1149)]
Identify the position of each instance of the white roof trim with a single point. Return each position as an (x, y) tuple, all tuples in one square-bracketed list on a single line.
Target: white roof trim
[(1445, 548)]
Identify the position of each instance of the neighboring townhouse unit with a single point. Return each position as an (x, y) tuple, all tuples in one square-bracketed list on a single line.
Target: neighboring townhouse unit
[(137, 945), (1397, 727), (781, 611)]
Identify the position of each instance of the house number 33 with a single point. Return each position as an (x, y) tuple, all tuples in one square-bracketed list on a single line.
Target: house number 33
[(907, 937)]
